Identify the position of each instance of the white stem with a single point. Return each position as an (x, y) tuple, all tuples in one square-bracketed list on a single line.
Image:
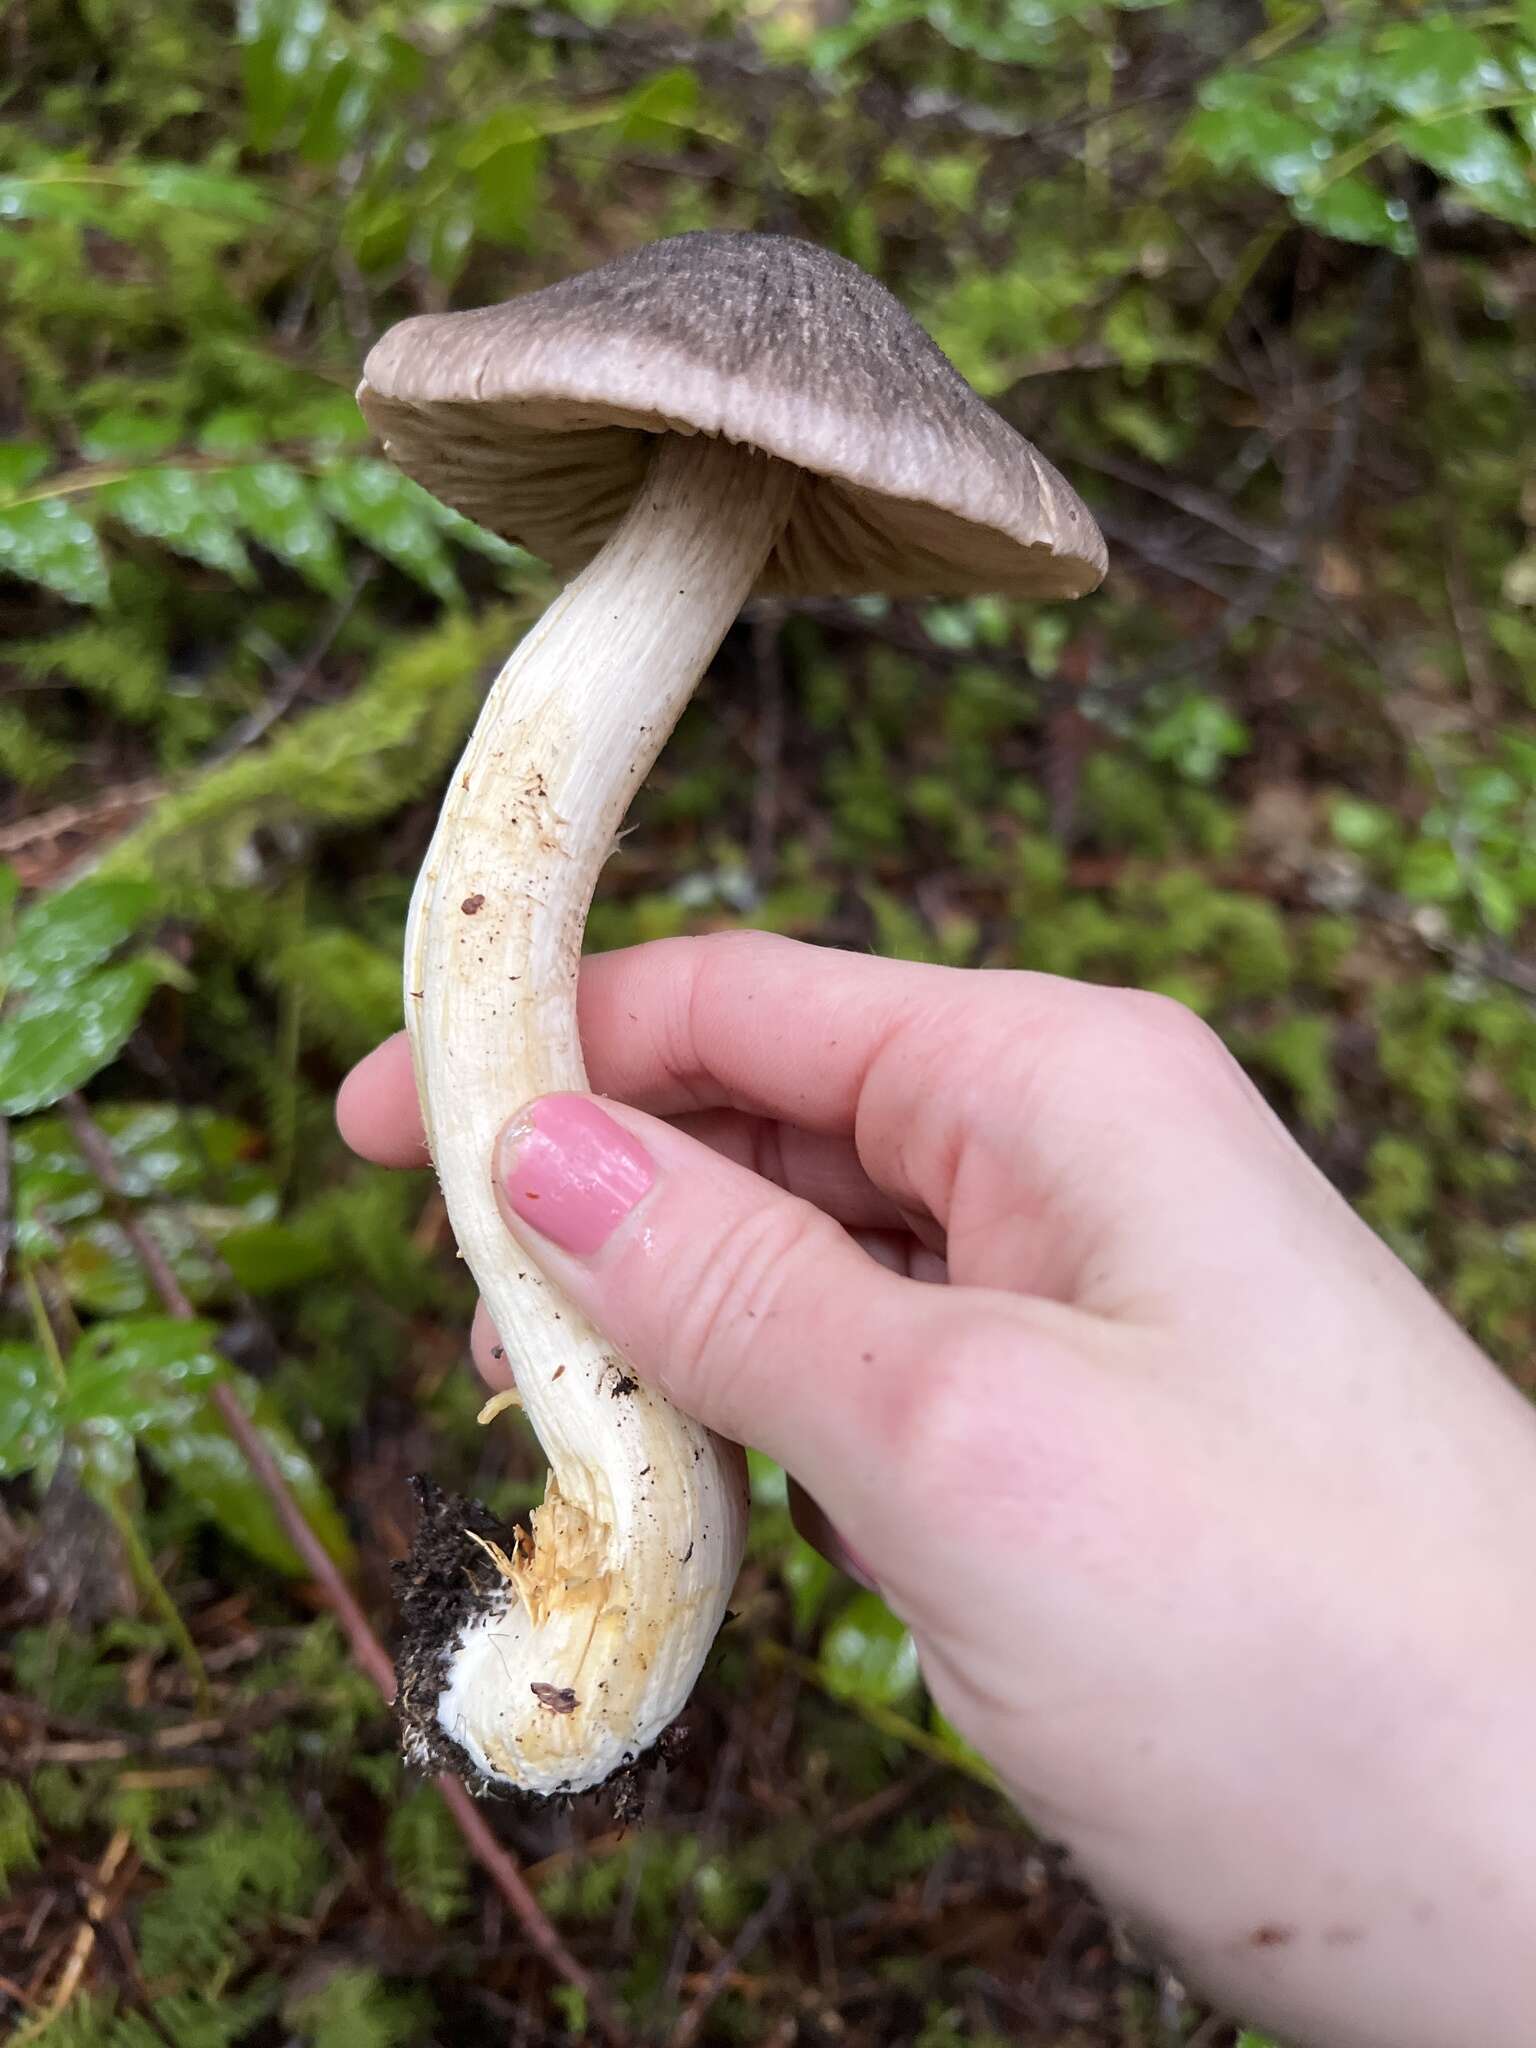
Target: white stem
[(618, 1587)]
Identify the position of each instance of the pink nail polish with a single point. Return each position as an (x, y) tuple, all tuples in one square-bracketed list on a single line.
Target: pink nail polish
[(572, 1173)]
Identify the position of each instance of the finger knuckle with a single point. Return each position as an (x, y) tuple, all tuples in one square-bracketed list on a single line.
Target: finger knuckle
[(1144, 1033), (930, 1425), (730, 1318)]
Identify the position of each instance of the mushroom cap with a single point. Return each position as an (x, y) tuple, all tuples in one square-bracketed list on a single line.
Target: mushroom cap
[(536, 419)]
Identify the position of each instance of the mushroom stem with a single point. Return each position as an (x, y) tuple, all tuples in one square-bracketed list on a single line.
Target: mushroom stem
[(611, 1596)]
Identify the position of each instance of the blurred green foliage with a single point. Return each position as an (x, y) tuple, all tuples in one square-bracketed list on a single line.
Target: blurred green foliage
[(1258, 276)]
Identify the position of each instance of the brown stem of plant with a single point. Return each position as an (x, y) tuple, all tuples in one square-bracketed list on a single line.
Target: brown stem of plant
[(368, 1652)]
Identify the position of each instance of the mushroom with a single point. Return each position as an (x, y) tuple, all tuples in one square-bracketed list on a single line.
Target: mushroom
[(707, 417)]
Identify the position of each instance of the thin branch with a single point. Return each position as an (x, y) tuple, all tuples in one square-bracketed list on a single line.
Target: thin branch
[(294, 677), (369, 1653), (748, 1935), (25, 832)]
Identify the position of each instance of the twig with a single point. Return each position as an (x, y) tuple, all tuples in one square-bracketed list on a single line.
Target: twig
[(293, 677), (727, 1764), (1188, 498), (80, 1948), (748, 1935), (369, 1653), (25, 832)]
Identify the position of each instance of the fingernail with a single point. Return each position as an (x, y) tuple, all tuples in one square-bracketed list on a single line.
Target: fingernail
[(571, 1172)]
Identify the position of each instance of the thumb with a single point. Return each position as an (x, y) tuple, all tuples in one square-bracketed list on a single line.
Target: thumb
[(748, 1308)]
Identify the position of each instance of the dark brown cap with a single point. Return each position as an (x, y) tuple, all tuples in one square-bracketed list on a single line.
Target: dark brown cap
[(535, 418)]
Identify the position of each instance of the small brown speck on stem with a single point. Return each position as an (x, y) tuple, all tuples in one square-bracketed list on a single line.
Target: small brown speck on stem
[(560, 1699)]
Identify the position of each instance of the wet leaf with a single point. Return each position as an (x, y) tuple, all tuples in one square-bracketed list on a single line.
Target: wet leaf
[(49, 541), (60, 1040), (65, 195), (1430, 872), (279, 507), (1481, 159), (21, 463), (867, 1654), (284, 41), (191, 189), (185, 509), (60, 937), (134, 1372), (655, 110), (1426, 67), (1284, 151), (338, 112), (506, 157), (125, 434), (810, 1580), (395, 517), (1354, 210), (143, 1383), (29, 1424), (199, 1456), (265, 1257)]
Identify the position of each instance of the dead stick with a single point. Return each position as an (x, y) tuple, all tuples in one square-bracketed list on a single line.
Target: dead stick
[(369, 1653)]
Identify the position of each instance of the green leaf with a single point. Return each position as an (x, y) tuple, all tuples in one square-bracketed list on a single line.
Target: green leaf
[(1361, 826), (50, 542), (60, 937), (1285, 152), (192, 190), (1480, 159), (128, 434), (21, 463), (280, 508), (1498, 903), (1430, 66), (655, 110), (66, 195), (868, 1655), (1331, 81), (184, 508), (29, 1422), (1430, 872), (265, 1257), (60, 1040), (20, 1836), (1353, 210), (338, 113), (395, 517), (506, 156), (144, 1383), (810, 1581), (284, 40), (237, 430), (199, 1456), (131, 1374)]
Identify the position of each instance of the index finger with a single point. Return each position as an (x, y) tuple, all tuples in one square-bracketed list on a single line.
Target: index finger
[(737, 1020), (1044, 1123)]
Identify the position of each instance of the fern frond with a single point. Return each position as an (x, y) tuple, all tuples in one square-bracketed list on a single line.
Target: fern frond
[(346, 764)]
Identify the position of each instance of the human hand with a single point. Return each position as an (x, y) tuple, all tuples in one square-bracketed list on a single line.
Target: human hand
[(1215, 1535)]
